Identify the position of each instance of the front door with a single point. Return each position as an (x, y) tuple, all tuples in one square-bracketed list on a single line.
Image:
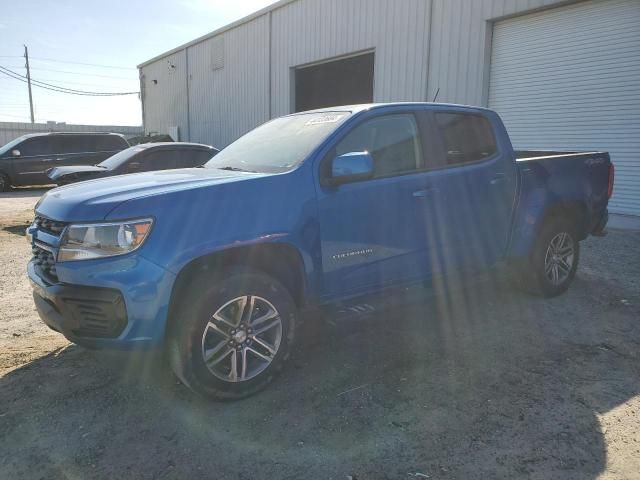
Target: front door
[(369, 229), (37, 155)]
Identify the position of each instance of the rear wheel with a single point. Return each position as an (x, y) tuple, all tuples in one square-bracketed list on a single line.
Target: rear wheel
[(231, 340), (5, 182), (553, 263)]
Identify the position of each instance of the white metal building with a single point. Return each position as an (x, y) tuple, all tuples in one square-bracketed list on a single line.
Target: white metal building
[(563, 74)]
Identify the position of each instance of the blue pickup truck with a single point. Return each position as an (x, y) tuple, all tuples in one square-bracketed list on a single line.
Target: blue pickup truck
[(217, 264)]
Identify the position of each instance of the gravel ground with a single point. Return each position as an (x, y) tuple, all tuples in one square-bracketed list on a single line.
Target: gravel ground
[(483, 383)]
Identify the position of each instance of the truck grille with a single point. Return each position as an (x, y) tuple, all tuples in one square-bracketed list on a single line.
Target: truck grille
[(50, 226), (45, 262)]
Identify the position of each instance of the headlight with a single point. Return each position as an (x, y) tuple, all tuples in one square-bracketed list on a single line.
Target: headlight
[(84, 242)]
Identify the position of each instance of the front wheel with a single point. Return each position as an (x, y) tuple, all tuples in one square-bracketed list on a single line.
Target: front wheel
[(552, 266), (229, 340)]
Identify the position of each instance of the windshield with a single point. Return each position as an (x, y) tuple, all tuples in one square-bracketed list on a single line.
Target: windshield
[(119, 158), (279, 145)]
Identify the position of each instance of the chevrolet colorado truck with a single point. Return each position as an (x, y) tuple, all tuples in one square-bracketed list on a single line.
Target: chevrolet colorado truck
[(216, 264)]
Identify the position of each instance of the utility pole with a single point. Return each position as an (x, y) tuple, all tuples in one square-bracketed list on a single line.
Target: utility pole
[(26, 56)]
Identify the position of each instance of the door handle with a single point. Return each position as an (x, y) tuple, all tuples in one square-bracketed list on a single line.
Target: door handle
[(498, 178), (420, 193)]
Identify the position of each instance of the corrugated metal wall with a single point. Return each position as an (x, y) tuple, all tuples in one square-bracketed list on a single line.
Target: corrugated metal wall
[(255, 82), (228, 101), (461, 46), (12, 130), (309, 31), (569, 78), (164, 95)]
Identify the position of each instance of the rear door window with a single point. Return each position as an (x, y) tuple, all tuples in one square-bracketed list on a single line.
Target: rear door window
[(106, 143), (155, 160), (466, 137), (194, 158), (71, 144)]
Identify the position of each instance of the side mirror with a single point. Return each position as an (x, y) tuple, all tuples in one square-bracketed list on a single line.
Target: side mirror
[(15, 152), (351, 167)]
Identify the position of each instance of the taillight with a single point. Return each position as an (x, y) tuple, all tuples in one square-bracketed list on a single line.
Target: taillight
[(612, 174)]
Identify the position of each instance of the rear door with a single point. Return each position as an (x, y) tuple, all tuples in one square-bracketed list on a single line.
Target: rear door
[(85, 149), (72, 150), (105, 146), (467, 213)]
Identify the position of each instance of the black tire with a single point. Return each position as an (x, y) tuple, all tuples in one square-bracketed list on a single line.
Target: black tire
[(533, 272), (186, 343), (5, 182)]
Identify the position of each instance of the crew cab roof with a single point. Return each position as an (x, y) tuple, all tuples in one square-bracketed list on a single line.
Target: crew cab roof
[(374, 106)]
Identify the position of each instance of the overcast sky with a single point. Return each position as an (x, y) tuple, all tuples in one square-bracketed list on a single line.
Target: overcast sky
[(114, 33)]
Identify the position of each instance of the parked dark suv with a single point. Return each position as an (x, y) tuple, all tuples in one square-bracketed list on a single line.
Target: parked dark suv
[(25, 160)]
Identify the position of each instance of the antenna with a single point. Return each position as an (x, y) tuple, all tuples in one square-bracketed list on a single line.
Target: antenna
[(435, 97)]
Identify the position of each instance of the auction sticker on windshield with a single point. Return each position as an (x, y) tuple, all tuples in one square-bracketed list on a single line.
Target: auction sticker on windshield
[(333, 118)]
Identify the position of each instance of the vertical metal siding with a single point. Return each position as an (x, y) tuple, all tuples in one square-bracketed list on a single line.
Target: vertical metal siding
[(165, 103), (569, 78), (459, 48), (227, 102), (309, 31)]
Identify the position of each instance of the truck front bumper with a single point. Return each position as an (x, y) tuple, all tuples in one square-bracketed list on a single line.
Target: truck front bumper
[(109, 304)]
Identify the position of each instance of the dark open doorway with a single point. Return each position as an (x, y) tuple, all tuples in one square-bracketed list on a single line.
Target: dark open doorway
[(340, 82)]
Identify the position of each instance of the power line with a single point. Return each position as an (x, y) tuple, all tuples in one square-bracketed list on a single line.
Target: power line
[(71, 63), (63, 82), (56, 88), (13, 116), (79, 73), (40, 83), (82, 63), (74, 73)]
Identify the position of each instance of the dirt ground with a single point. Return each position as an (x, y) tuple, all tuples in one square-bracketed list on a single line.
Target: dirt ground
[(486, 382)]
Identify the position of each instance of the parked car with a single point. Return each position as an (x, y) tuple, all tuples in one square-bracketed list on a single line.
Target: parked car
[(150, 139), (25, 160), (220, 263), (141, 158)]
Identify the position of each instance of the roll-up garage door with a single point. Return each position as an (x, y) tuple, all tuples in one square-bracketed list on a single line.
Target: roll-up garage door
[(569, 78)]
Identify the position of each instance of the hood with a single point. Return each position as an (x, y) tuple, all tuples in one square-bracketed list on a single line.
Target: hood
[(57, 172), (94, 199)]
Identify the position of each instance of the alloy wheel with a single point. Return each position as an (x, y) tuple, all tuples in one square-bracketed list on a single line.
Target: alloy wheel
[(559, 258), (242, 338)]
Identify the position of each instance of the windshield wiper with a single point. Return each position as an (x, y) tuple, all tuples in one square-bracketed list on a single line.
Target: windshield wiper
[(236, 169)]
